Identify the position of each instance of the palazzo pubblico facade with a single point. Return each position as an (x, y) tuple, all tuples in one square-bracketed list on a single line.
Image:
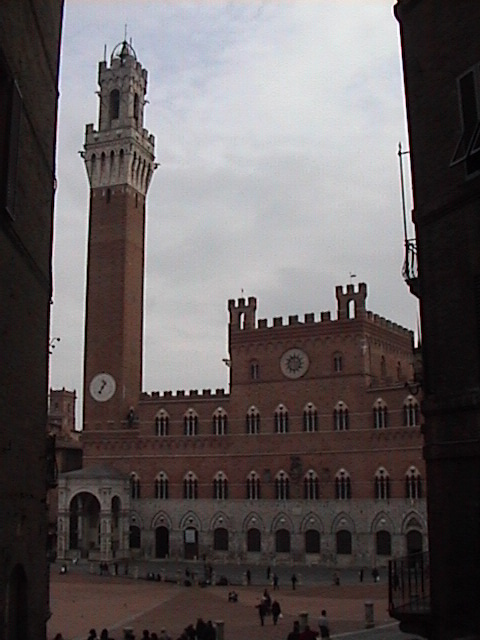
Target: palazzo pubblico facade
[(314, 455)]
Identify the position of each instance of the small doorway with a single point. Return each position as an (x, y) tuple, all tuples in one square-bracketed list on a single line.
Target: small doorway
[(190, 544), (162, 548)]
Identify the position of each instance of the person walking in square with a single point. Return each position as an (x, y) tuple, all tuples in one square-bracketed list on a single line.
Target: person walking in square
[(276, 611), (323, 625)]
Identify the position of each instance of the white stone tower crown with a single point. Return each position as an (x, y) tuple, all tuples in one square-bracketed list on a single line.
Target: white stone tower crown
[(121, 151)]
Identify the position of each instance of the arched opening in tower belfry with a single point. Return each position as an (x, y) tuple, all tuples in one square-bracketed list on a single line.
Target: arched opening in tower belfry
[(114, 110), (351, 309)]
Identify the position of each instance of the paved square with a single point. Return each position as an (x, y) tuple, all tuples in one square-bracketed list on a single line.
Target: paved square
[(80, 601)]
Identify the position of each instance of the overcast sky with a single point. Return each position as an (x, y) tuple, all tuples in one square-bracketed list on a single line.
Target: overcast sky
[(276, 126)]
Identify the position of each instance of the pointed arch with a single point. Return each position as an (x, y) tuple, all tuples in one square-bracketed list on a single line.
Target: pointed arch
[(253, 520), (219, 519), (190, 520), (382, 521), (311, 521), (282, 521), (413, 520), (343, 520), (161, 519)]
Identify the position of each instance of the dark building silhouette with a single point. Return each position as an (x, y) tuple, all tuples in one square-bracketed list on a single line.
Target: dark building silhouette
[(29, 54), (441, 60)]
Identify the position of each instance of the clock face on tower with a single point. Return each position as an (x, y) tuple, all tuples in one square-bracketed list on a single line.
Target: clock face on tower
[(294, 363), (102, 387)]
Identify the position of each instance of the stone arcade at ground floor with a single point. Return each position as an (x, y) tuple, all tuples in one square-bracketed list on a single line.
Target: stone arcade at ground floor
[(99, 520)]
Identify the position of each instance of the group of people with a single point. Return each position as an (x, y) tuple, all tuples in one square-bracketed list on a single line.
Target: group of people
[(201, 631), (311, 634), (267, 607)]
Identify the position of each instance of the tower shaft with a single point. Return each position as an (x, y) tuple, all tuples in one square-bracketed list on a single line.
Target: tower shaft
[(119, 159)]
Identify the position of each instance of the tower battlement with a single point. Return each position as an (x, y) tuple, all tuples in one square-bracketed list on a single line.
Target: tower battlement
[(351, 301), (242, 313), (182, 394)]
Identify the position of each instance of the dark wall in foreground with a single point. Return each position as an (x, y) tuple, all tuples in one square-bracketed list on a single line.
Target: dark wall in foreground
[(441, 56), (29, 52)]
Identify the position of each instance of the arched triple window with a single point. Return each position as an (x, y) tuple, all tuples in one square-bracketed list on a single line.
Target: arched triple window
[(134, 486), (253, 421), (310, 418), (340, 417), (190, 423), (382, 485), (380, 414), (190, 486), (413, 484), (253, 486), (411, 412), (162, 423), (281, 419), (343, 485), (161, 486), (311, 486), (282, 486), (220, 486), (219, 422)]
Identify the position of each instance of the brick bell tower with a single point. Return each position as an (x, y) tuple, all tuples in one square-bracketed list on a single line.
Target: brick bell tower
[(119, 159)]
